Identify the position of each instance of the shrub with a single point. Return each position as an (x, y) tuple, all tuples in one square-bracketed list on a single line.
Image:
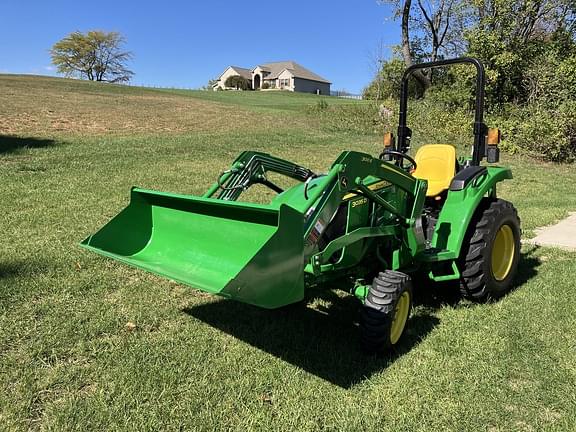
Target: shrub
[(547, 133), (356, 118), (237, 82), (433, 122), (544, 130), (321, 105), (387, 82)]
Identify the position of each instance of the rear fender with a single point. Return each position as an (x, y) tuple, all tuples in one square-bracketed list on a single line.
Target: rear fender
[(459, 208)]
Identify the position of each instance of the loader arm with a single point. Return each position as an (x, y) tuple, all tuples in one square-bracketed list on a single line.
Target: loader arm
[(364, 181), (251, 168)]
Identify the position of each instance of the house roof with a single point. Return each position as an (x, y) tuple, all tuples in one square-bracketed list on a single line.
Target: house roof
[(243, 72), (299, 71)]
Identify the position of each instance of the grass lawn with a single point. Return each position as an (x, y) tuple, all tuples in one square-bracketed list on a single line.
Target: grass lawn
[(270, 100), (69, 153)]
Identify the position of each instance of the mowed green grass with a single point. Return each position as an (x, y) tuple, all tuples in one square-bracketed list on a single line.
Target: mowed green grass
[(272, 100), (68, 360)]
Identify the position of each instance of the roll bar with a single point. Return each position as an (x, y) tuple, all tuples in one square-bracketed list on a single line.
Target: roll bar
[(480, 129)]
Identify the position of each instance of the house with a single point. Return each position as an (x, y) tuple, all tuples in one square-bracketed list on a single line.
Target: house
[(285, 75)]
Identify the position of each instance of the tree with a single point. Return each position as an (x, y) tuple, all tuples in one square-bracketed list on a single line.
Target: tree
[(524, 20), (375, 61), (96, 55), (407, 51), (387, 82), (210, 85), (512, 36), (438, 30), (237, 82)]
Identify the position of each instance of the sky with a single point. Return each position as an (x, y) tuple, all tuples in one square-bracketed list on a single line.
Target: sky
[(186, 43)]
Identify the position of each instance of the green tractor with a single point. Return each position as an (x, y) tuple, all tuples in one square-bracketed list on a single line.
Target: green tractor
[(370, 224)]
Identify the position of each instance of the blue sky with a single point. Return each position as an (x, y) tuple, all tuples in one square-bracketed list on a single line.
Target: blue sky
[(185, 43)]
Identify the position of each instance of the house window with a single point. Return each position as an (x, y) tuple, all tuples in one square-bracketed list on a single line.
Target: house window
[(285, 83)]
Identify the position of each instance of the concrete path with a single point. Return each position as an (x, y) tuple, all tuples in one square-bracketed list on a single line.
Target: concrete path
[(561, 235)]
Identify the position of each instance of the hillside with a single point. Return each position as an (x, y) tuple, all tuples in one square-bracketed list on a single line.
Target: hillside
[(56, 106)]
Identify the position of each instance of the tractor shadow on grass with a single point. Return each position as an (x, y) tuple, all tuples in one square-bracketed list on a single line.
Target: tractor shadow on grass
[(437, 295), (10, 143), (19, 267), (527, 266), (11, 269), (323, 340)]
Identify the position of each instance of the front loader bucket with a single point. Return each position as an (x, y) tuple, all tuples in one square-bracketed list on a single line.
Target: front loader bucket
[(248, 252)]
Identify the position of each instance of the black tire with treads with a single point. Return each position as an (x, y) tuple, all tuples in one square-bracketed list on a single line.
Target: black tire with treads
[(379, 309), (477, 282)]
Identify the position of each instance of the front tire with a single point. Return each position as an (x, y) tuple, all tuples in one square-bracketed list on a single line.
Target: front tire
[(386, 311), (491, 251)]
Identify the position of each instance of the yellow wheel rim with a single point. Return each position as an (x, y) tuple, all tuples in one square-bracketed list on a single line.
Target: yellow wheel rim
[(503, 252), (400, 317)]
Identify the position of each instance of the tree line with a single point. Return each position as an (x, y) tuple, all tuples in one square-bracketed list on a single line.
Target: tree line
[(510, 36), (528, 48)]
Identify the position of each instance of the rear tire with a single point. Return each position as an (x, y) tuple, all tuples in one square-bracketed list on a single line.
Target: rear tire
[(490, 252), (386, 311)]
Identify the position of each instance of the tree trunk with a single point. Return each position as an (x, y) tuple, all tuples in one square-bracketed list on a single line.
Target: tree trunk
[(423, 79)]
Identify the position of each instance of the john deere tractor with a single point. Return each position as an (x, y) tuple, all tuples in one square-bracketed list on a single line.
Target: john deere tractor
[(369, 224)]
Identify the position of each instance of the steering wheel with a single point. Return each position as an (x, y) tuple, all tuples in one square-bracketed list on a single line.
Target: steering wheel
[(401, 156)]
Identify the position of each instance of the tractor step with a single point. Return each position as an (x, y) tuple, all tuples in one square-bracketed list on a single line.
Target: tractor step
[(436, 255), (455, 275)]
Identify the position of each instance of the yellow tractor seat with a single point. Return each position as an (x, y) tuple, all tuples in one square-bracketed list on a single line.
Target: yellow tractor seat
[(437, 164)]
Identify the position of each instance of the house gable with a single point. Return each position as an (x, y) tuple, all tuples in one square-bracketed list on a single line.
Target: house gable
[(232, 71), (285, 80), (285, 74)]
